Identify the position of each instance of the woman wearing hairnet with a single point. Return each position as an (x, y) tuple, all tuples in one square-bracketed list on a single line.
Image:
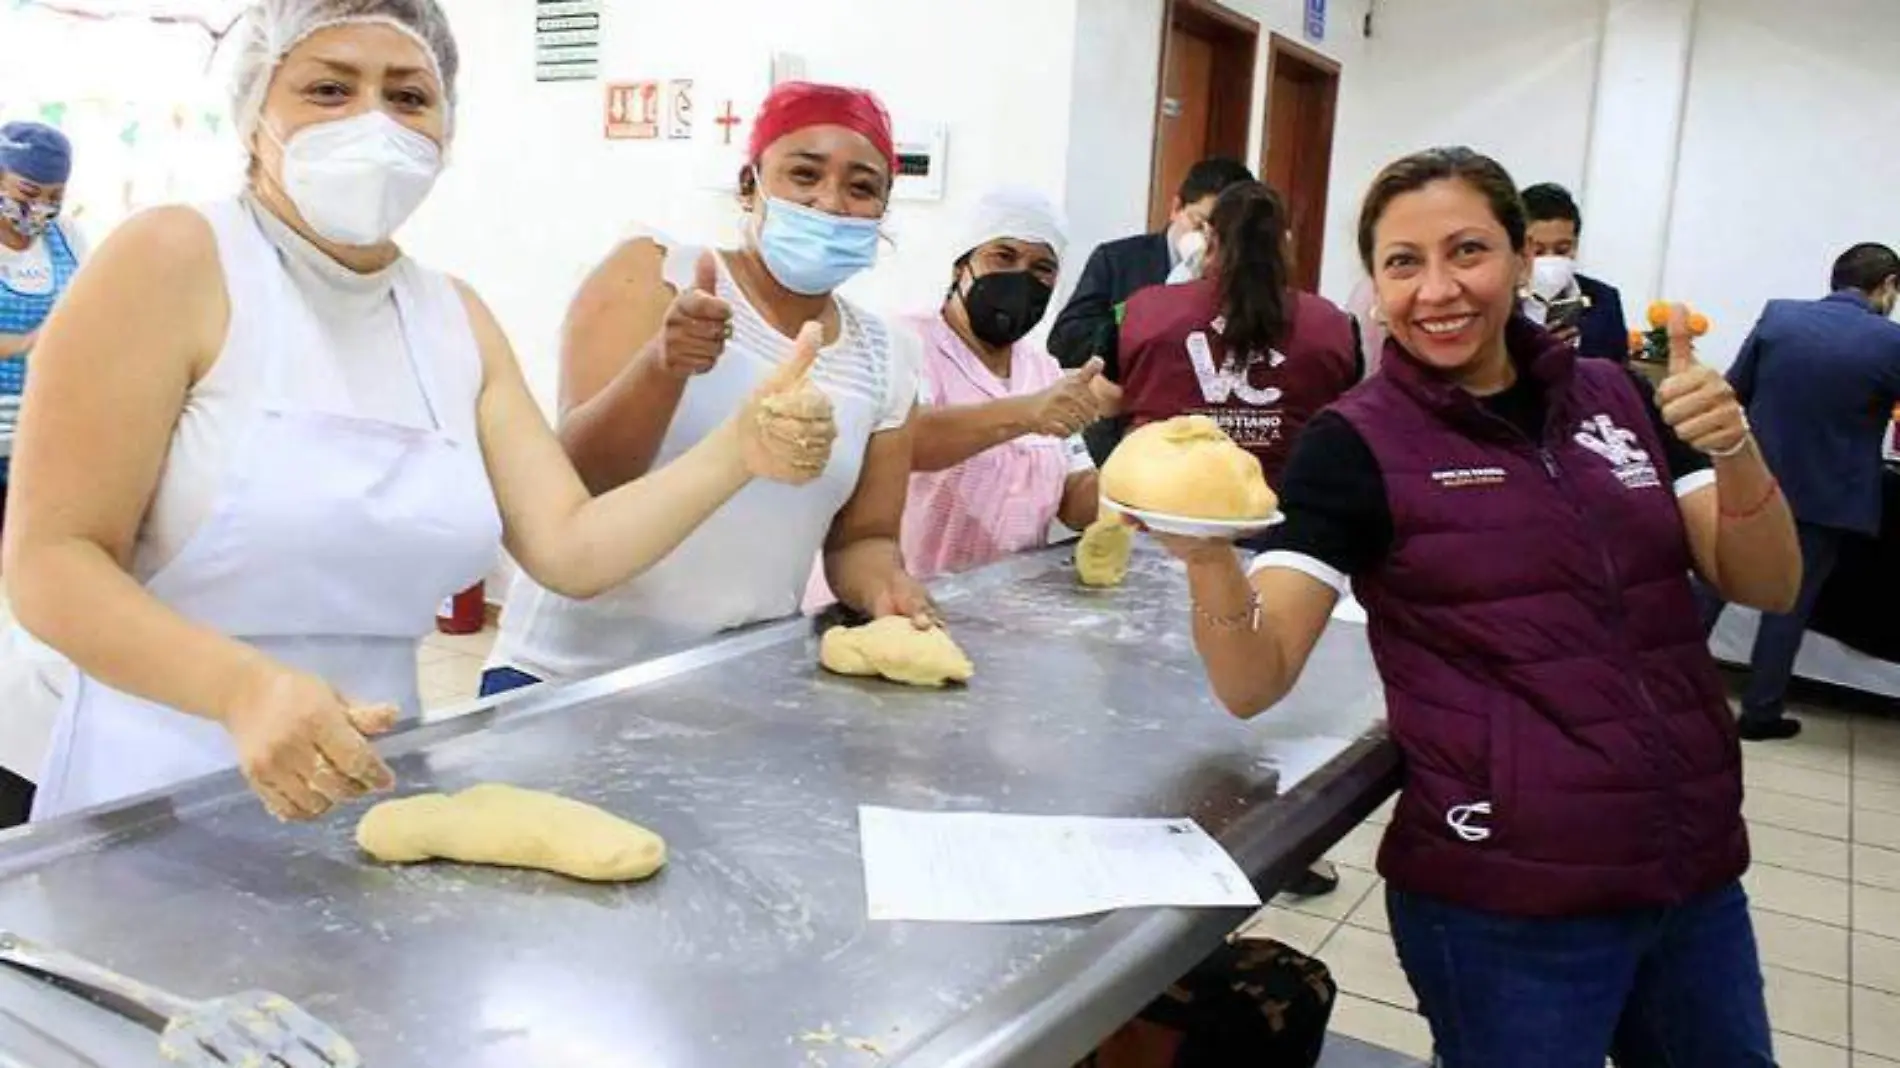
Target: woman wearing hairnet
[(262, 445), (998, 452), (39, 253), (665, 339)]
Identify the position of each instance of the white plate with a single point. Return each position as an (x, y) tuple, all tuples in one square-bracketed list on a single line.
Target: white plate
[(1163, 523)]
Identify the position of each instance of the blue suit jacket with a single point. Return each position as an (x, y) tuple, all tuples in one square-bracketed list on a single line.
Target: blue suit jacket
[(1603, 333), (1820, 378)]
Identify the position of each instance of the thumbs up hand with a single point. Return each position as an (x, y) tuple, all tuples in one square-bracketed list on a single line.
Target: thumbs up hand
[(697, 324), (787, 426), (1071, 404), (1697, 402)]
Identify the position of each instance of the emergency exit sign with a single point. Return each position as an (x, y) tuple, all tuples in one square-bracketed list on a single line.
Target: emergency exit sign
[(1316, 20)]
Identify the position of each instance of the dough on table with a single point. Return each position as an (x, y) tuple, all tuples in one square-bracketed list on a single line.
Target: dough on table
[(510, 827), (1187, 466), (1101, 558), (894, 648)]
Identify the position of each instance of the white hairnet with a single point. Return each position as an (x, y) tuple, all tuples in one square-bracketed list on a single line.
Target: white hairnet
[(272, 28), (1018, 213)]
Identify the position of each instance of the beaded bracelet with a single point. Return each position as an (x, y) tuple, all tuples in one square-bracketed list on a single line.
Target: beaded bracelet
[(1246, 619)]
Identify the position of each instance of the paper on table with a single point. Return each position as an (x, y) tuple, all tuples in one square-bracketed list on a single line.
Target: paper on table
[(979, 867)]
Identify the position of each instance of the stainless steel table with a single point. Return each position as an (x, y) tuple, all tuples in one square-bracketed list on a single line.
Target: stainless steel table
[(752, 948)]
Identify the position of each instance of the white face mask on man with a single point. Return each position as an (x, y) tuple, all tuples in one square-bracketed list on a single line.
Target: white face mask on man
[(1191, 248), (1552, 277), (356, 180)]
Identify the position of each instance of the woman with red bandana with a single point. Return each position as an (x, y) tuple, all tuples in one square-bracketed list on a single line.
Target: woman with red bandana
[(663, 343)]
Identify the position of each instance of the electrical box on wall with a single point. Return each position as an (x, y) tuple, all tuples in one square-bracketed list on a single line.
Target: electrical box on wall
[(921, 160)]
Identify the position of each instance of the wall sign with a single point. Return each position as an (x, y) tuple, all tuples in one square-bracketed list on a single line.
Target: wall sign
[(566, 40), (1316, 20), (633, 111), (679, 110)]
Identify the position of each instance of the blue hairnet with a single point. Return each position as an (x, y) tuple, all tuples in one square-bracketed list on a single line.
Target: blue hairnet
[(35, 152), (272, 28)]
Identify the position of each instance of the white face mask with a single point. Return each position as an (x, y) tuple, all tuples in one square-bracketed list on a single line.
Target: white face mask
[(1552, 276), (1191, 247), (356, 180)]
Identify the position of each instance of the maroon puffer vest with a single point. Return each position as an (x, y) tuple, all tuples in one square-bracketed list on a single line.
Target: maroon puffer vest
[(1568, 743)]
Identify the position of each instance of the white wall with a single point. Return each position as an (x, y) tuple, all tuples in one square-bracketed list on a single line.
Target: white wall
[(536, 195)]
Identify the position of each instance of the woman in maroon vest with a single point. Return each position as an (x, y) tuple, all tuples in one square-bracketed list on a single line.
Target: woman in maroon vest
[(1563, 866), (1240, 345)]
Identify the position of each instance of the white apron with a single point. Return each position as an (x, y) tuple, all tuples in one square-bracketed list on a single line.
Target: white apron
[(331, 544)]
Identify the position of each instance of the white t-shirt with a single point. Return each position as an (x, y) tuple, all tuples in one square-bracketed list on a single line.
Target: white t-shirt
[(29, 271), (750, 561)]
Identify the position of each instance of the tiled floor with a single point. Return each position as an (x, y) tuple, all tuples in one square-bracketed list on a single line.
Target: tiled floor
[(1824, 813)]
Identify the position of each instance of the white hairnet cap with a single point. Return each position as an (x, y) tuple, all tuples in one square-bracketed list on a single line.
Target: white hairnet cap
[(1018, 213), (272, 28)]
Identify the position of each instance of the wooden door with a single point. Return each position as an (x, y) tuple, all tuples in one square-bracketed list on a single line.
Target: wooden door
[(1302, 100), (1207, 60)]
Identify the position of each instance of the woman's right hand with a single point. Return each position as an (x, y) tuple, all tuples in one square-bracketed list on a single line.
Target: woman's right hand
[(787, 427), (303, 748), (697, 324), (1066, 408)]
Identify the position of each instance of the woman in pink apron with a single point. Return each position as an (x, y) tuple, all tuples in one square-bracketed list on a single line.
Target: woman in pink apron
[(263, 445), (999, 457)]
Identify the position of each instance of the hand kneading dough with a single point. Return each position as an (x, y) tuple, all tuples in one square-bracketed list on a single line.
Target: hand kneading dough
[(1187, 467), (510, 827), (894, 648), (1102, 557)]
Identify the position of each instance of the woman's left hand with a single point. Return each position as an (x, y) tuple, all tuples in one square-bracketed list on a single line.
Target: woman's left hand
[(905, 596), (1696, 401)]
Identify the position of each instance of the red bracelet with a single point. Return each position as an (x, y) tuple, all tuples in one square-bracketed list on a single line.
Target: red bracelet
[(1774, 490)]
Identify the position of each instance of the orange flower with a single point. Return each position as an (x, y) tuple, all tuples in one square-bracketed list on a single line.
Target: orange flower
[(1637, 341), (1659, 313), (1698, 324)]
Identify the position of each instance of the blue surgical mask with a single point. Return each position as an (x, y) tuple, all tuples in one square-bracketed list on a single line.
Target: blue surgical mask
[(812, 252)]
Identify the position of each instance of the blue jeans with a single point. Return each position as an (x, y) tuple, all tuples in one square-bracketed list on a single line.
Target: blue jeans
[(1652, 988), (1778, 639), (506, 680)]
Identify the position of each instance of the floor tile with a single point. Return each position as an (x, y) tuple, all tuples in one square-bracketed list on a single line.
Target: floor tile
[(1360, 847), (1876, 962), (1382, 1025), (1805, 752), (1876, 796), (1793, 1051), (1833, 786), (1371, 915), (1354, 884), (1297, 929), (1807, 1006), (1877, 911), (1811, 853), (1384, 814), (1824, 725), (1874, 866), (1877, 766), (1868, 1060), (1877, 828), (428, 652), (1364, 963), (1802, 945), (1795, 893), (477, 644), (1345, 1051), (1876, 1023), (1796, 813)]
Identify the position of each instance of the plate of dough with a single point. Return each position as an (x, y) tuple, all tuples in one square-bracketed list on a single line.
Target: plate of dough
[(1185, 476)]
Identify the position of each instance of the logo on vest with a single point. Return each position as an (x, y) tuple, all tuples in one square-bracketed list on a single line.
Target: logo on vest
[(1468, 477), (1220, 384), (1463, 821), (1619, 447)]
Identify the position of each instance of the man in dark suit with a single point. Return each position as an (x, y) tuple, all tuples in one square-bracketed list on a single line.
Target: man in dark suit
[(1556, 227), (1118, 269), (1819, 379)]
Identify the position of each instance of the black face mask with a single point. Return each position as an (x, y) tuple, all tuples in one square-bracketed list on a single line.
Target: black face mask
[(1004, 307)]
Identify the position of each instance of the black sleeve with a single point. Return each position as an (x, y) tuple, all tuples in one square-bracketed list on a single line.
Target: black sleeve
[(1681, 460), (1108, 345), (1333, 495), (1073, 339), (1358, 349)]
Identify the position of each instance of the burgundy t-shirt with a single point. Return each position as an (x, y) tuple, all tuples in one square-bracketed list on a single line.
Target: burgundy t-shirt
[(1172, 362)]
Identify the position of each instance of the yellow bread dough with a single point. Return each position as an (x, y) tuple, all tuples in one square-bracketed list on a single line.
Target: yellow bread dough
[(894, 648), (1101, 559), (507, 826), (1186, 466)]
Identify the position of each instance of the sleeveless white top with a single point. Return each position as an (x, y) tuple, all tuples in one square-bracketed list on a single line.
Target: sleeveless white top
[(750, 561)]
